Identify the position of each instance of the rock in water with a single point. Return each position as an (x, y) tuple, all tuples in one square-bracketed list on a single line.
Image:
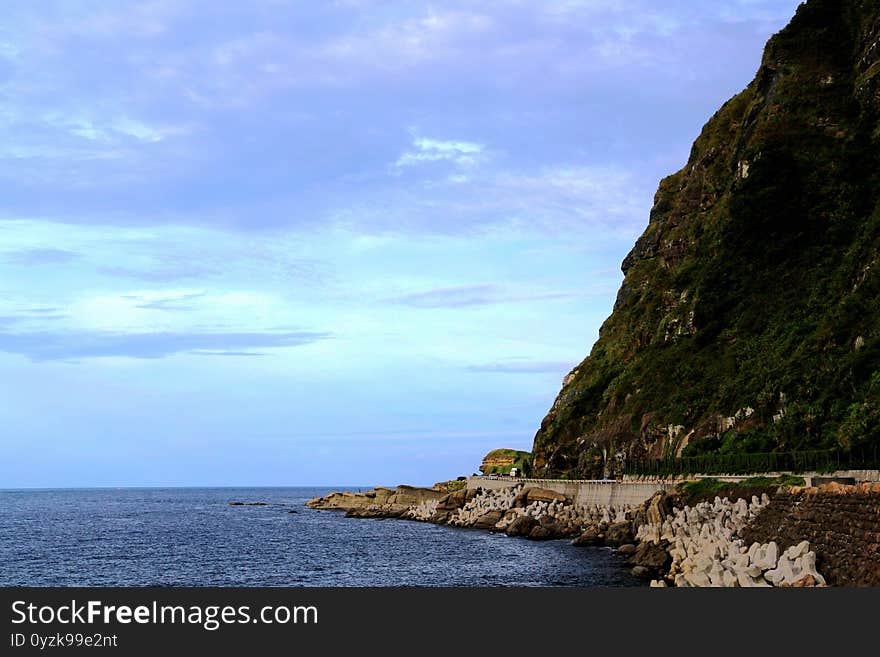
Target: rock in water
[(590, 537), (540, 533), (521, 526), (618, 534), (488, 520), (653, 556)]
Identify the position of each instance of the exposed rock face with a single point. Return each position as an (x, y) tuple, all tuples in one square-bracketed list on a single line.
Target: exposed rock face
[(381, 502), (500, 461), (655, 509), (750, 306)]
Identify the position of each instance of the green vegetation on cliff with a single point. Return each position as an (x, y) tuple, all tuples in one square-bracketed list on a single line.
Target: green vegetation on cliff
[(749, 317), (692, 492)]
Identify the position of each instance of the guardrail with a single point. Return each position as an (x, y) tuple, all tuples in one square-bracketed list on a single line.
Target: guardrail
[(529, 480), (861, 458)]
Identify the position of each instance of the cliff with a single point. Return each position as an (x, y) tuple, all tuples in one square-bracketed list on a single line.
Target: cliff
[(748, 318), (501, 461)]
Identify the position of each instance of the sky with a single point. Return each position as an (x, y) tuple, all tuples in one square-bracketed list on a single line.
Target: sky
[(325, 243)]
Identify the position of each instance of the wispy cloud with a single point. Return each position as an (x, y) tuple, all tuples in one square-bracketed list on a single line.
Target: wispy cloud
[(202, 352), (36, 257), (76, 345), (43, 311), (590, 202), (108, 130), (518, 366), (174, 302), (471, 295), (460, 153), (32, 316), (121, 114), (160, 273)]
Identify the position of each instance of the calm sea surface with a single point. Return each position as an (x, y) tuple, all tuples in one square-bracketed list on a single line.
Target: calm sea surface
[(193, 537)]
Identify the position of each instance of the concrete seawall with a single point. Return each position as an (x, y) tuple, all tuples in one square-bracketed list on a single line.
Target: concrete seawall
[(582, 493)]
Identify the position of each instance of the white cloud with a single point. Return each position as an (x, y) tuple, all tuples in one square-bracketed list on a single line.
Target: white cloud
[(86, 130), (138, 130), (112, 129), (474, 296), (460, 153), (176, 308)]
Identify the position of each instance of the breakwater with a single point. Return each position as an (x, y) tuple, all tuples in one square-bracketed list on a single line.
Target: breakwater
[(584, 493), (789, 537)]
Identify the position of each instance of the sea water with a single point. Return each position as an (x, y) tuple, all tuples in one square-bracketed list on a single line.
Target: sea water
[(194, 537)]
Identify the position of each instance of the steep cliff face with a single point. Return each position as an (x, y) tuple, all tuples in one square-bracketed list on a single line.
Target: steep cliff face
[(749, 317)]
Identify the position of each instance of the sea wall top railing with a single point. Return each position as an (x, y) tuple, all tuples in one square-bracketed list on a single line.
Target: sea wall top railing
[(529, 480), (865, 457)]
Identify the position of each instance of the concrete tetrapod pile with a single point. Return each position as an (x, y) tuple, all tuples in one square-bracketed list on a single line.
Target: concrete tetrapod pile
[(706, 551)]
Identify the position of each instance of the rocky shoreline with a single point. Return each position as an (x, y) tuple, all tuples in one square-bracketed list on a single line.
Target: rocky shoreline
[(666, 541)]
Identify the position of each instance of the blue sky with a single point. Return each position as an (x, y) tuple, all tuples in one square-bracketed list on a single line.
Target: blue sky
[(294, 243)]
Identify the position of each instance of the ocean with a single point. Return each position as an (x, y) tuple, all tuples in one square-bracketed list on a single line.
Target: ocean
[(194, 537)]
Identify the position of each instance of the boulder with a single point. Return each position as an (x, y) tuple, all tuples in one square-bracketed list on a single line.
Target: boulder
[(619, 534), (655, 510), (653, 556), (529, 495), (589, 537), (410, 496), (641, 571), (540, 533), (553, 528), (488, 520), (521, 526), (440, 517), (454, 501), (627, 549)]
